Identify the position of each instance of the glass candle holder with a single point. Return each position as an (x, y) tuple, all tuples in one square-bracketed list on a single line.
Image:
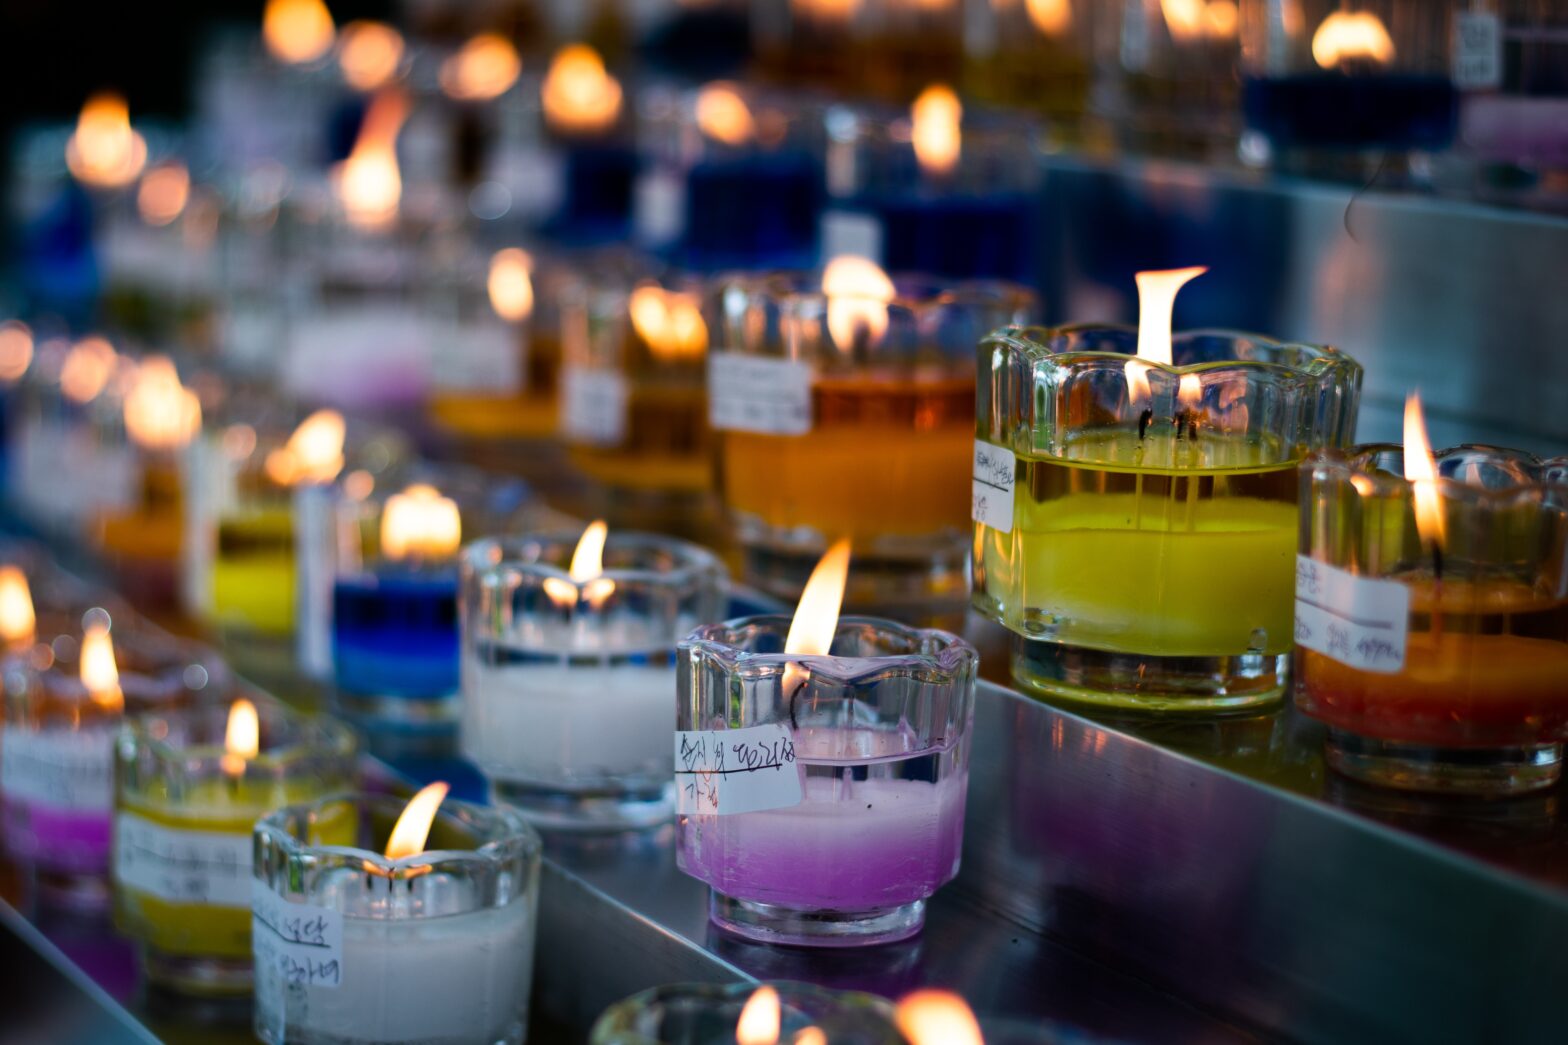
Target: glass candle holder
[(1436, 672), (821, 798), (185, 810), (1137, 538), (568, 685), (353, 948), (849, 415), (708, 1014)]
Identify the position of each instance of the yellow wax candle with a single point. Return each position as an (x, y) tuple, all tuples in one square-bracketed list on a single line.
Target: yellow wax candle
[(253, 571)]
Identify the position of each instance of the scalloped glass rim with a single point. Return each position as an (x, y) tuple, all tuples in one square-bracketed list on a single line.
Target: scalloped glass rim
[(492, 554), (314, 736), (1035, 341), (914, 291), (950, 660), (1360, 462)]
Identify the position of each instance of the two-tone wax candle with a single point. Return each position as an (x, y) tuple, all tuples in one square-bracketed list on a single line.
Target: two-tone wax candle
[(190, 787)]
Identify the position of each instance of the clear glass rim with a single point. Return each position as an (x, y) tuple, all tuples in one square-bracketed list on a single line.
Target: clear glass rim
[(1360, 462), (620, 1017), (952, 658), (1036, 341), (914, 291), (313, 737), (490, 555)]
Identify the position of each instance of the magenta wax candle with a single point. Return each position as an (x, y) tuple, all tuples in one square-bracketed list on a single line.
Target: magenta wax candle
[(824, 806)]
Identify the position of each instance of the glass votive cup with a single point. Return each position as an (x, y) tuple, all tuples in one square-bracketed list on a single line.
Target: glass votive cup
[(569, 686), (851, 416), (1445, 671), (709, 1013), (821, 798), (184, 815), (1134, 524), (352, 947)]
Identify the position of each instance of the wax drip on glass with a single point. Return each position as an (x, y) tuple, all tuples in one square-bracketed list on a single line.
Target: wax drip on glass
[(368, 184), (419, 525), (482, 69), (510, 284), (1421, 474), (761, 1019), (935, 119), (18, 622), (578, 95), (99, 674), (587, 582), (241, 738), (816, 617), (297, 32), (931, 1017), (1156, 301), (858, 294)]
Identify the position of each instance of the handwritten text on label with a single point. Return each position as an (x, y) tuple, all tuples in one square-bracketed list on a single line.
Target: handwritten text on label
[(297, 944), (1355, 620), (200, 867), (727, 771), (991, 487)]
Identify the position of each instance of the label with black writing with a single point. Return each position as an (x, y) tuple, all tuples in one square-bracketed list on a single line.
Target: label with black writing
[(721, 772), (1478, 50), (1358, 621), (761, 394), (60, 768), (991, 487), (196, 867), (593, 405), (299, 944)]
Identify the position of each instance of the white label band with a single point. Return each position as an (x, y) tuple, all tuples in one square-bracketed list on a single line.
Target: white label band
[(300, 944), (1478, 50), (759, 394), (593, 406), (60, 768), (991, 487), (197, 867), (1355, 620), (722, 772)]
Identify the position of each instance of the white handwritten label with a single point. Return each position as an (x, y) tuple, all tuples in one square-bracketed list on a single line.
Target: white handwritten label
[(1478, 50), (198, 867), (60, 768), (1355, 620), (991, 487), (295, 944), (722, 772), (759, 394), (593, 406)]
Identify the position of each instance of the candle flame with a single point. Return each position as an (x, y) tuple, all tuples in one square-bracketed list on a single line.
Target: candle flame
[(86, 369), (816, 615), (585, 571), (1349, 35), (936, 116), (297, 31), (827, 10), (369, 54), (858, 295), (1156, 301), (16, 349), (810, 1036), (313, 454), (242, 738), (368, 183), (164, 191), (761, 1019), (578, 95), (17, 619), (722, 114), (670, 323), (1190, 391), (1421, 473), (1185, 19), (413, 826), (161, 413), (931, 1017), (510, 285), (482, 69), (104, 151), (97, 669), (1221, 19), (420, 522), (1051, 17)]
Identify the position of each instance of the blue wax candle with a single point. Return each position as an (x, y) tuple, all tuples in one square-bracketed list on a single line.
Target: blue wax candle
[(757, 210), (600, 190), (394, 632), (958, 235), (1331, 110)]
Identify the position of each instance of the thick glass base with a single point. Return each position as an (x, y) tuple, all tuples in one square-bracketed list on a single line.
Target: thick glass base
[(770, 923), (555, 809), (1488, 772), (923, 581), (198, 975), (1133, 682)]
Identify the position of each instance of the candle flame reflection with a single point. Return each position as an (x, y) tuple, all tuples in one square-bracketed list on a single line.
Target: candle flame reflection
[(1421, 473), (858, 294), (297, 31), (931, 1017), (936, 117), (420, 522), (413, 825), (578, 95), (722, 114), (370, 54), (816, 616), (1156, 301), (1347, 36), (585, 571), (482, 69), (98, 671), (104, 151), (17, 619), (241, 738), (761, 1019), (163, 193), (510, 286)]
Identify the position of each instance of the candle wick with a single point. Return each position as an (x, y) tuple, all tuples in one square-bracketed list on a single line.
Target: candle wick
[(1144, 420)]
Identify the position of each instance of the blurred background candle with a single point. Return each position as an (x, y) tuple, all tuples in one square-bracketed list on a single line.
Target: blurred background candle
[(746, 1014), (584, 112)]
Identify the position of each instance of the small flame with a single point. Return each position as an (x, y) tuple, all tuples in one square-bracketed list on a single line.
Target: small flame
[(510, 285), (419, 522), (931, 1017), (809, 1036), (164, 191), (1222, 18), (578, 95), (16, 350), (413, 826), (1156, 301), (368, 183), (816, 615), (1349, 35), (670, 323), (936, 115), (1421, 473), (161, 413), (242, 738), (722, 114), (369, 55), (761, 1019), (99, 673), (313, 454), (104, 151), (17, 620), (1187, 20), (482, 69), (858, 295), (87, 368), (1051, 17), (585, 571), (297, 31)]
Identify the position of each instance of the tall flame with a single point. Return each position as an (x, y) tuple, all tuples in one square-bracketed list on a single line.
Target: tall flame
[(297, 31), (510, 285), (1421, 473), (670, 323), (1156, 301), (242, 738), (578, 95), (16, 349), (163, 193), (99, 674), (585, 571), (17, 619), (482, 69), (761, 1019), (858, 294), (161, 413), (1051, 17), (313, 454), (419, 522), (413, 826), (932, 1017), (816, 615), (722, 114), (1350, 35), (104, 151), (936, 117), (87, 368), (368, 183), (369, 54)]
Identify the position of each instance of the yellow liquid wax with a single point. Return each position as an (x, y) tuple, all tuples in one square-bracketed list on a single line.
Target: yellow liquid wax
[(1163, 551), (667, 446), (253, 572)]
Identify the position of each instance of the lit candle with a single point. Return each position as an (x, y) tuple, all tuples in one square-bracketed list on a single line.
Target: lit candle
[(582, 104), (368, 184), (104, 152), (743, 1014), (18, 620), (297, 32)]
